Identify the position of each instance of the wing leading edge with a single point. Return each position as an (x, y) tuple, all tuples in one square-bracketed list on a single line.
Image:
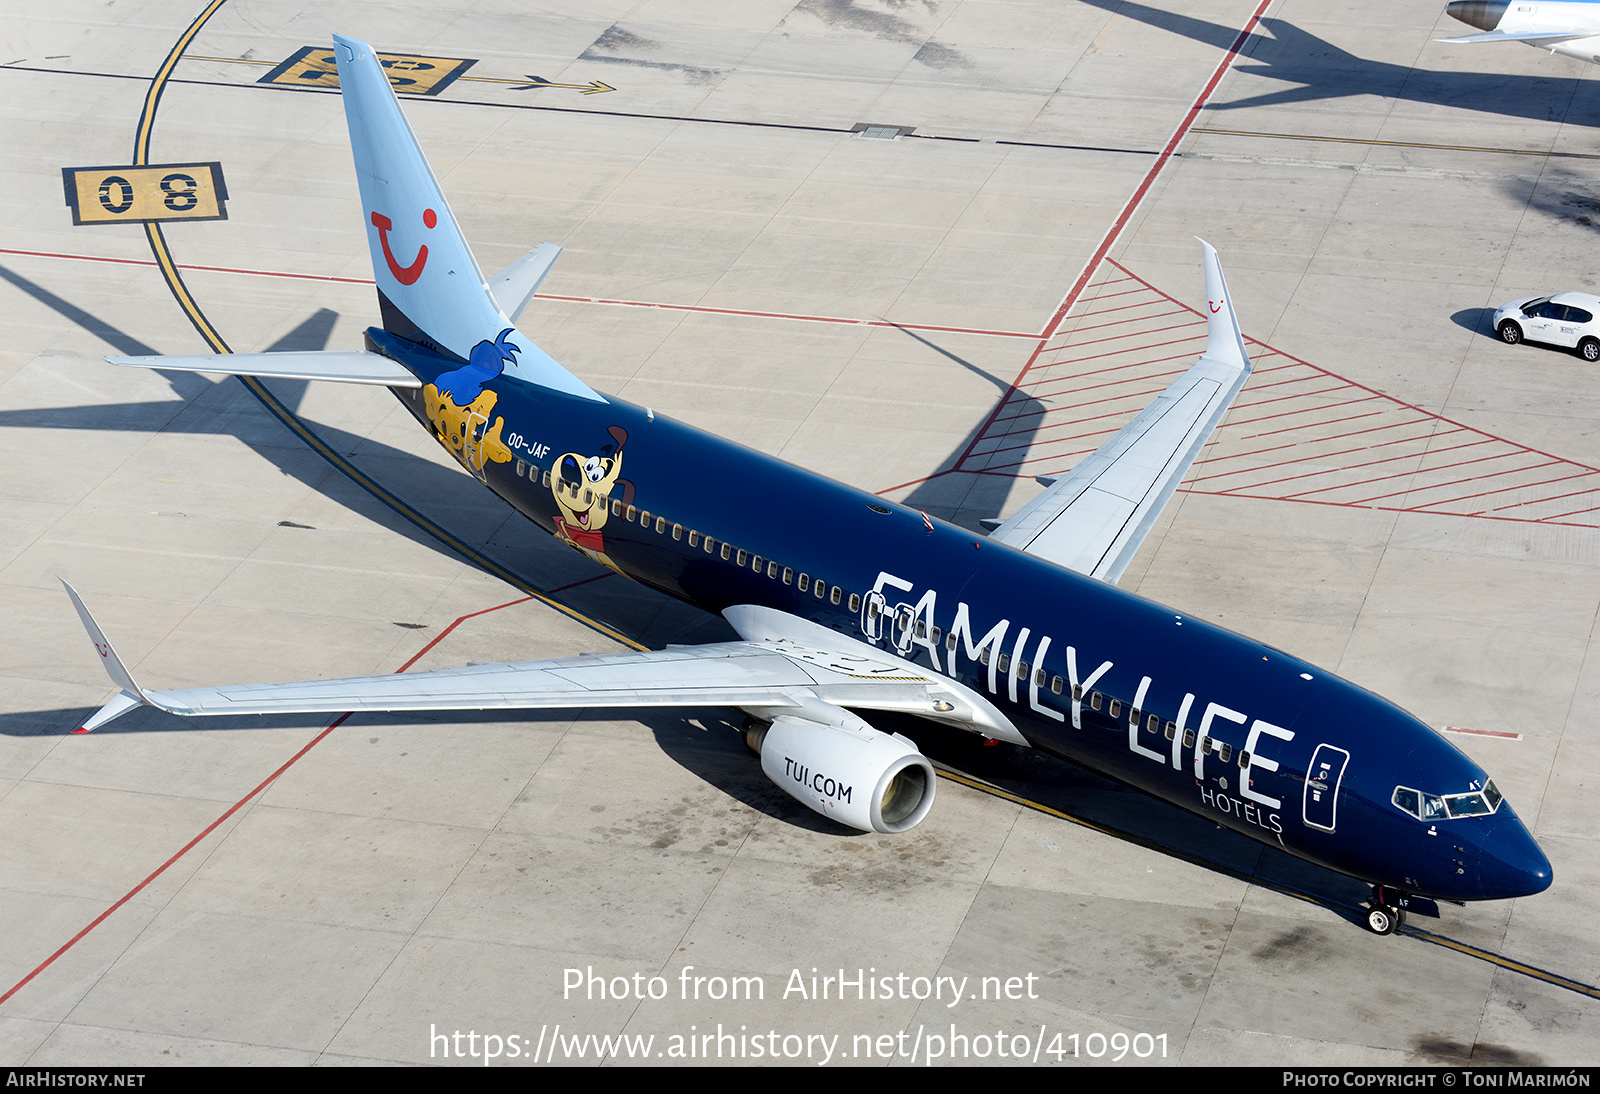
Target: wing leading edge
[(1093, 519)]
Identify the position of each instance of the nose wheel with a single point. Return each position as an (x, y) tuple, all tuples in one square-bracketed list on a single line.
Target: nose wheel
[(1384, 916)]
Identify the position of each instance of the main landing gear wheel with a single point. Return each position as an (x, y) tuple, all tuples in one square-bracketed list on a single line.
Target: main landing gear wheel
[(1510, 333)]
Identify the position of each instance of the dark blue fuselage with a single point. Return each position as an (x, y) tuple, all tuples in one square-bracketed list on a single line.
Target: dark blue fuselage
[(1209, 720)]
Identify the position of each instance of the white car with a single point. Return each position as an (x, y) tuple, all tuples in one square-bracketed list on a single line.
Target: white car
[(1566, 319)]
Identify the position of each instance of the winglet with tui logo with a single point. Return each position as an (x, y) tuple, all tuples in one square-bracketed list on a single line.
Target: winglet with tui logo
[(131, 694)]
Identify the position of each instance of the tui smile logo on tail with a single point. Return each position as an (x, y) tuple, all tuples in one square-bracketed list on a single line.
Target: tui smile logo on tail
[(406, 275)]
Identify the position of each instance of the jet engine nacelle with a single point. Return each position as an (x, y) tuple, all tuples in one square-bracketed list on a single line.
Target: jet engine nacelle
[(850, 773)]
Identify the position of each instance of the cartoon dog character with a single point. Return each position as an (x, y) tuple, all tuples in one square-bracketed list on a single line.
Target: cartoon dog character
[(459, 406), (582, 487)]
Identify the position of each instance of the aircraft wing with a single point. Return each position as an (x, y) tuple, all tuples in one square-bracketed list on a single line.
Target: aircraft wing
[(1094, 518), (784, 664), (1521, 36)]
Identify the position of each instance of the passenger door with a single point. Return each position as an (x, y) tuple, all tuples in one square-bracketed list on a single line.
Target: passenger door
[(1319, 808)]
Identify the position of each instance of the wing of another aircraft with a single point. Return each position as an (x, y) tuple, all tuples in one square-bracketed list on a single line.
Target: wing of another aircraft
[(1562, 35), (1094, 518)]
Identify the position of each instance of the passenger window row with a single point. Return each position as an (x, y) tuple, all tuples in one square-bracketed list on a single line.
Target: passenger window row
[(818, 588)]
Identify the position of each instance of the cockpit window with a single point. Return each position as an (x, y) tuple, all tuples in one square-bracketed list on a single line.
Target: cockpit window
[(1430, 807), (1467, 805)]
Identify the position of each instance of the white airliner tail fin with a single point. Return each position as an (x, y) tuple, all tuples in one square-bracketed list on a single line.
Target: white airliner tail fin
[(430, 288)]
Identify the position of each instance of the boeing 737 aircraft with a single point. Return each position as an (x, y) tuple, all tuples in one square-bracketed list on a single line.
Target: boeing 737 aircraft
[(1570, 27), (847, 603)]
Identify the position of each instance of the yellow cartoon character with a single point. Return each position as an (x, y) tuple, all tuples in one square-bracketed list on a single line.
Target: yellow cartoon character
[(582, 487), (458, 404), (465, 430)]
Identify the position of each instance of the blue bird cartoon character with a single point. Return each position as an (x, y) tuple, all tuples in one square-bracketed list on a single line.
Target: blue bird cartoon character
[(459, 405)]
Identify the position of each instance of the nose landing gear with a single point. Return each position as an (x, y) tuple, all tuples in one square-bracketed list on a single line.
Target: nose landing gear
[(1386, 910)]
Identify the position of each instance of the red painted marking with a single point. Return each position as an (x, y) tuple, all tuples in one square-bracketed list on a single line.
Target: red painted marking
[(1557, 518), (1120, 307), (1109, 383), (1482, 732), (1518, 486), (1403, 474), (1071, 378), (1129, 319), (1133, 203), (1115, 352), (234, 808), (1422, 489), (1292, 395), (1118, 398), (1298, 459), (1335, 421), (1545, 501), (1545, 521), (406, 275), (1281, 383), (430, 218), (1134, 334), (1335, 437), (796, 317), (1424, 454), (1304, 410)]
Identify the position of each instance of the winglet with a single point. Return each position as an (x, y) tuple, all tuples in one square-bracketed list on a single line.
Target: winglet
[(1224, 343), (131, 695)]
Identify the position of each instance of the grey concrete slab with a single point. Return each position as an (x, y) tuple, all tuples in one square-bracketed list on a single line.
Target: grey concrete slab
[(199, 999), (96, 1046)]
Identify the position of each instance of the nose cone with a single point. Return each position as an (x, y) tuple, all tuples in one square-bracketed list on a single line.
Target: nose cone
[(1483, 14), (1510, 864)]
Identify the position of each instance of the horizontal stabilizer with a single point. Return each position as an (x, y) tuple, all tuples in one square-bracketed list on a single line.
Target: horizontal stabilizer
[(1094, 518), (514, 286), (340, 366)]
